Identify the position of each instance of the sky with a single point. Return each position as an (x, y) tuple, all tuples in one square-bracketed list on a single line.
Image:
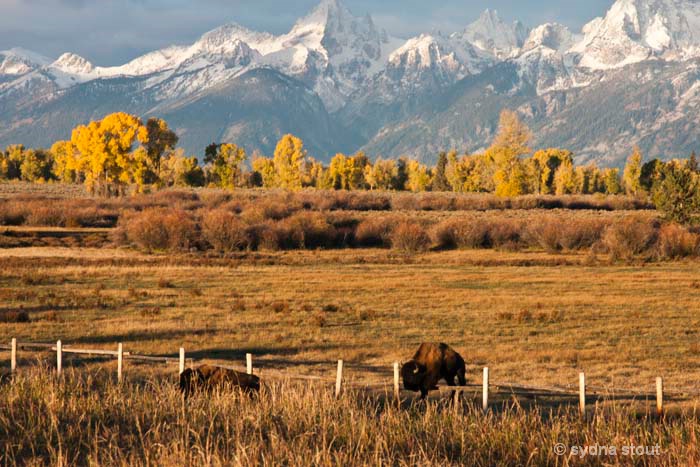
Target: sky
[(111, 32)]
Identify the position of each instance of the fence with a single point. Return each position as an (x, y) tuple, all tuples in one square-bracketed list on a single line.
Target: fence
[(584, 393)]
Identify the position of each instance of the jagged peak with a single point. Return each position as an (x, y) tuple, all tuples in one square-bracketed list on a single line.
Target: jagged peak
[(72, 63), (553, 36), (493, 35)]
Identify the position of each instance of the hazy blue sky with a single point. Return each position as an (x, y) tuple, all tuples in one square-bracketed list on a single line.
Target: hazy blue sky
[(110, 32)]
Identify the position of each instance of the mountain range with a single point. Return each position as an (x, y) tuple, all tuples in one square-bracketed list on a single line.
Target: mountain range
[(342, 84)]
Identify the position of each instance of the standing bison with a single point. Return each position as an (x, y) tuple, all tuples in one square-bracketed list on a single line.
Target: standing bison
[(209, 378), (430, 364)]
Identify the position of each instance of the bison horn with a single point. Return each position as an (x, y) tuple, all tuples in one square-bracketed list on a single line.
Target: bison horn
[(415, 372)]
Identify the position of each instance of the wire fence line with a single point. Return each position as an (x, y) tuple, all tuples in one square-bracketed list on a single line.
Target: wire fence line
[(583, 392)]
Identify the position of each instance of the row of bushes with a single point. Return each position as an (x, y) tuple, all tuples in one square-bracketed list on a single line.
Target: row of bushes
[(263, 205), (225, 231)]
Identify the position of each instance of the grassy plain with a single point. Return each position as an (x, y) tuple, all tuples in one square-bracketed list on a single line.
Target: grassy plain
[(532, 317)]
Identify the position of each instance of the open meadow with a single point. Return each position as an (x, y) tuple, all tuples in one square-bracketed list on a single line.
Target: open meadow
[(535, 309)]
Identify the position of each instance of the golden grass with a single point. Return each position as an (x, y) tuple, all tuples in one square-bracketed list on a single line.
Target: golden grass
[(532, 318), (85, 419)]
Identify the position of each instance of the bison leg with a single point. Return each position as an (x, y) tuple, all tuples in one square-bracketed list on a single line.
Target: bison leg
[(461, 376), (423, 393)]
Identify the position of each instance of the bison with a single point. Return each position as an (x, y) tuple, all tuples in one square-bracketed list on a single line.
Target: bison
[(430, 364), (208, 378)]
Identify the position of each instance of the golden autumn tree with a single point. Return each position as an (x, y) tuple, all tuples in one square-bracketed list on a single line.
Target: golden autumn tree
[(264, 167), (159, 140), (510, 144), (381, 174), (633, 173), (545, 163), (418, 177), (288, 161), (66, 163), (338, 172), (226, 164), (565, 180), (106, 151)]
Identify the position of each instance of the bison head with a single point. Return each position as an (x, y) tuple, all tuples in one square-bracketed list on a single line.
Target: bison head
[(413, 373), (190, 380)]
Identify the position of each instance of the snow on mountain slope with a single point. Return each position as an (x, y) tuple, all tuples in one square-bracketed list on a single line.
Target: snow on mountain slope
[(18, 61), (494, 36), (636, 30)]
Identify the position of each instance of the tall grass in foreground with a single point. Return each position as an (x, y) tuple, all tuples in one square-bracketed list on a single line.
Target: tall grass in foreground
[(87, 419)]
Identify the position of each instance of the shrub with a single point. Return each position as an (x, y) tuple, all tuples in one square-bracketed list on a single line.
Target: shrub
[(308, 230), (629, 237), (48, 214), (462, 233), (410, 237), (547, 234), (224, 231), (13, 212), (505, 233), (676, 241), (375, 231), (271, 208), (160, 229), (554, 234)]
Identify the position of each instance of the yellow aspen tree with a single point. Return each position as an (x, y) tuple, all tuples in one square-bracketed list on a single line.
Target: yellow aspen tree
[(160, 138), (289, 157), (418, 177), (66, 165), (633, 173), (511, 142), (265, 168)]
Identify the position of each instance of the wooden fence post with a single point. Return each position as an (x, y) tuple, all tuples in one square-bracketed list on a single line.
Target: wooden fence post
[(13, 356), (582, 393), (339, 379), (485, 401), (249, 363), (120, 361), (182, 360), (660, 396), (397, 392), (59, 357)]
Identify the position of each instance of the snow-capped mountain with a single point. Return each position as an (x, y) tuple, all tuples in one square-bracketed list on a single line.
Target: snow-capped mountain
[(342, 84), (637, 30), (492, 35), (17, 61)]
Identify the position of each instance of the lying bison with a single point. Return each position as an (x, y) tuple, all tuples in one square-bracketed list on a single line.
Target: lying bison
[(208, 378), (430, 364)]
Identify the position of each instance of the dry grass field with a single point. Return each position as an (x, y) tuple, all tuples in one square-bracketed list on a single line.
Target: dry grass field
[(534, 318)]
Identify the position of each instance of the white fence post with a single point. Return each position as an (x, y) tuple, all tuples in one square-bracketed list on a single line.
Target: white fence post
[(397, 392), (120, 361), (660, 396), (13, 355), (59, 357), (182, 360), (249, 363), (339, 379), (485, 401), (582, 393)]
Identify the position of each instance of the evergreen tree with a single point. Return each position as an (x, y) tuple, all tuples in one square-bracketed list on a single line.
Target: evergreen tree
[(440, 182), (677, 193)]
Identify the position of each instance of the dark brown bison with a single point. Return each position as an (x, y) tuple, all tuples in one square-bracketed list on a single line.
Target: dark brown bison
[(430, 364), (209, 378)]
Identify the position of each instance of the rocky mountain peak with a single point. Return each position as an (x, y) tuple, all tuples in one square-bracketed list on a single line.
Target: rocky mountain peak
[(73, 64), (491, 34)]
